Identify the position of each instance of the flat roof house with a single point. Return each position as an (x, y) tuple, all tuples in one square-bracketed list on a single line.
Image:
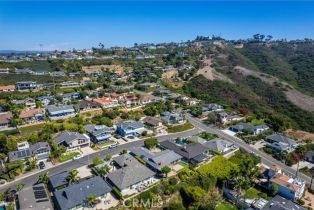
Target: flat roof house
[(5, 120), (60, 112), (69, 84), (75, 196), (156, 161), (130, 174), (99, 133), (194, 153), (4, 70), (34, 198), (72, 140), (130, 128), (26, 85)]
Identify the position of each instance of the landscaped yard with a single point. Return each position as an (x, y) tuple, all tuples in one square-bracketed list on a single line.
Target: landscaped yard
[(226, 206), (68, 156), (207, 136), (104, 144), (180, 128), (252, 193)]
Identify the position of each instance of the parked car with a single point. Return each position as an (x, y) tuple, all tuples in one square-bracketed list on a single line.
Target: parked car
[(113, 146), (42, 165), (77, 157)]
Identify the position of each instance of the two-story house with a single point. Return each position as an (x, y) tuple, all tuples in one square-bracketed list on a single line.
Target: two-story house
[(99, 133), (130, 128)]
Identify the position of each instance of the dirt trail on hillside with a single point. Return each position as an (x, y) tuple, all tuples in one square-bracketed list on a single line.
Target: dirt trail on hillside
[(299, 99), (210, 73)]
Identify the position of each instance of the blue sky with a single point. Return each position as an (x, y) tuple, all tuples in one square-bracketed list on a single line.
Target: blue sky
[(81, 24)]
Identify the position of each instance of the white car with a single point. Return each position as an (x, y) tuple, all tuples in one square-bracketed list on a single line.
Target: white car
[(113, 146), (77, 157)]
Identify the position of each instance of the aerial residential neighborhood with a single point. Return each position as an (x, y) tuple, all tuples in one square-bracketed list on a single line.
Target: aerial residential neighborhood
[(156, 105)]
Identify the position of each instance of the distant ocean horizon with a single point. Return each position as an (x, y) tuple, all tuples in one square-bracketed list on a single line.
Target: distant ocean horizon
[(22, 52)]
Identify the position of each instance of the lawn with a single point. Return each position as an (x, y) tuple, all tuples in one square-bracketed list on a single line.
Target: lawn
[(226, 206), (180, 128), (252, 193), (184, 165), (207, 136), (68, 156), (105, 144)]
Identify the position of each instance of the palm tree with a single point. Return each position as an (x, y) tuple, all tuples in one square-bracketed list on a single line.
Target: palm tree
[(104, 170), (43, 178), (73, 177), (91, 200)]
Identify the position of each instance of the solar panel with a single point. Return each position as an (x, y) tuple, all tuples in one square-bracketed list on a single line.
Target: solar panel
[(39, 188), (40, 195), (44, 200)]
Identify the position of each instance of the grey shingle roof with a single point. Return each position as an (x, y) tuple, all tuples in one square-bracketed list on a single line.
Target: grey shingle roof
[(188, 151), (59, 179), (68, 137), (280, 203), (281, 138), (156, 160), (76, 194), (131, 173), (217, 144), (131, 124), (96, 130)]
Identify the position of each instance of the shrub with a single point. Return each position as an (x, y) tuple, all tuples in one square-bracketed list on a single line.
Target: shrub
[(117, 192)]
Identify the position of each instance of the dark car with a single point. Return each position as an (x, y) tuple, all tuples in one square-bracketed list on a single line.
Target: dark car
[(42, 165)]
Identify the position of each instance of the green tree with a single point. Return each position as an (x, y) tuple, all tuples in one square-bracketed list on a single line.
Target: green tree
[(91, 200), (43, 178), (97, 161), (192, 194), (73, 177), (274, 189), (19, 186), (150, 143), (210, 201), (165, 170)]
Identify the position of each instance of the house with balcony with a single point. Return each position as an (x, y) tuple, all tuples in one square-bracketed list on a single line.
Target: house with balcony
[(69, 84), (222, 146), (7, 88), (99, 133), (85, 105), (40, 150), (32, 115), (130, 128), (106, 102), (26, 85), (6, 119), (60, 112), (172, 118)]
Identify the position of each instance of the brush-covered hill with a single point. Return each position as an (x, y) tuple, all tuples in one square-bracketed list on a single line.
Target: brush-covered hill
[(274, 81)]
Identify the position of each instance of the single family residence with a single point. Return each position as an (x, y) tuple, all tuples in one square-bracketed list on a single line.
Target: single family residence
[(72, 140)]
